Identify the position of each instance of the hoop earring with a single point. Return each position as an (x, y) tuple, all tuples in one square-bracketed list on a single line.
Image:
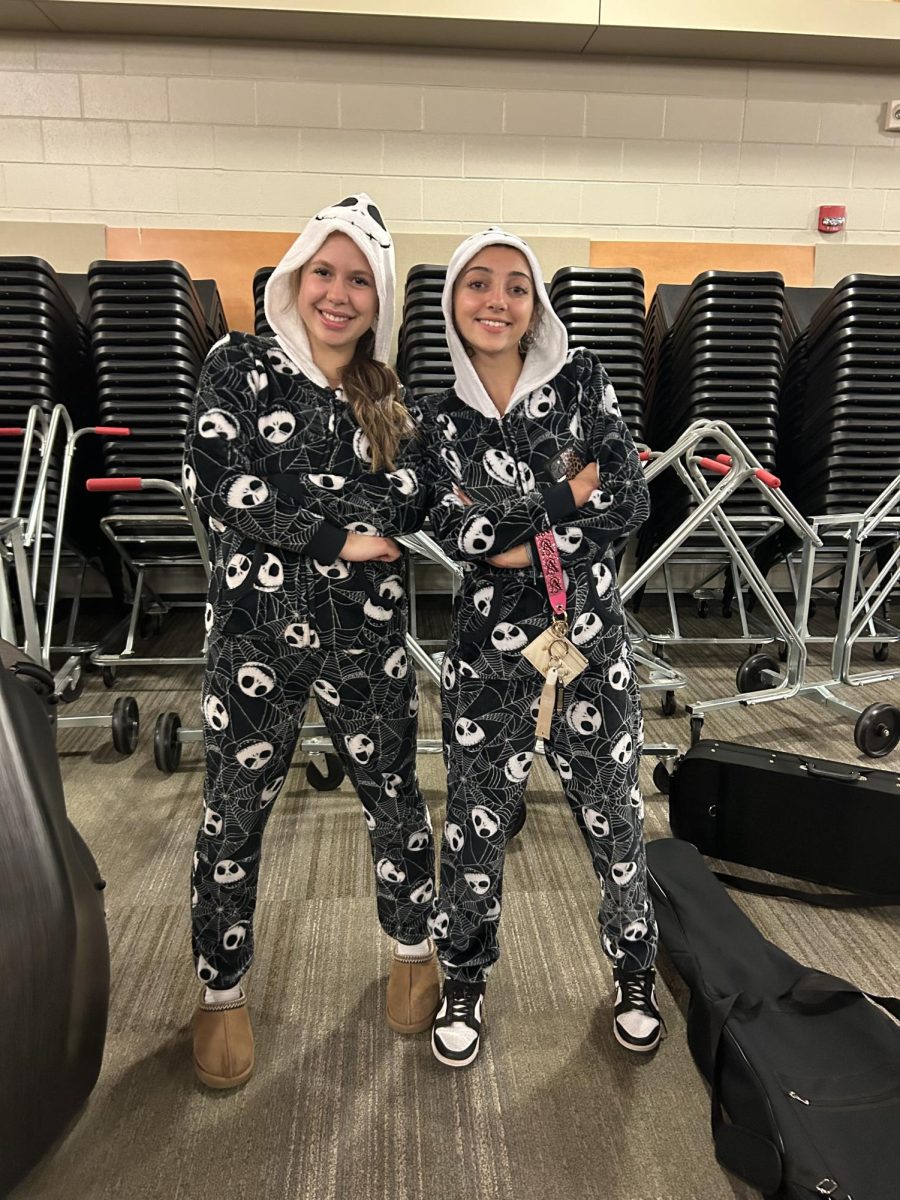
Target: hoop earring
[(526, 341)]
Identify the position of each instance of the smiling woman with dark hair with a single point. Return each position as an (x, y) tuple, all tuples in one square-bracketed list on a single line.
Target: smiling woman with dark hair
[(536, 477), (302, 458)]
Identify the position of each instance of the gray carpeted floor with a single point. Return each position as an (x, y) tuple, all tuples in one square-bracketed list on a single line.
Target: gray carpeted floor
[(339, 1106)]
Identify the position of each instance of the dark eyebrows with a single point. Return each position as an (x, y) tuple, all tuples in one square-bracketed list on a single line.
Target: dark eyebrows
[(489, 271)]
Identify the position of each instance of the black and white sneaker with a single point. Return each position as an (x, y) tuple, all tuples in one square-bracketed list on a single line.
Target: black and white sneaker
[(456, 1033), (637, 1022)]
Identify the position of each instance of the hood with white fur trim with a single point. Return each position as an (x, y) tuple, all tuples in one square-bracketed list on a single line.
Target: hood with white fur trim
[(544, 359), (359, 219)]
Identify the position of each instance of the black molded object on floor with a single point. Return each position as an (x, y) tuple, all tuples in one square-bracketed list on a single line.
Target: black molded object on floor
[(806, 1066), (54, 951), (795, 814)]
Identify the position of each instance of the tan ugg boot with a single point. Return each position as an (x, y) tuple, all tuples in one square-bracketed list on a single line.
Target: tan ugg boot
[(413, 993), (223, 1043)]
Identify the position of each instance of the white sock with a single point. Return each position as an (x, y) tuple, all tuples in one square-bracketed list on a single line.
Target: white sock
[(223, 995), (420, 950)]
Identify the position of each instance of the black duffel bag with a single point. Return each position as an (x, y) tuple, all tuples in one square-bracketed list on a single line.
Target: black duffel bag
[(803, 1067), (54, 950)]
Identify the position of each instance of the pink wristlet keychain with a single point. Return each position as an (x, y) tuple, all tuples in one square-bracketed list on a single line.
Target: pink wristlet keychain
[(551, 651), (551, 565)]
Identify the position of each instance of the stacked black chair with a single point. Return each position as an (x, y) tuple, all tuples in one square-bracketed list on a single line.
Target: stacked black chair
[(840, 399), (216, 321), (603, 310), (261, 326), (423, 357), (713, 351), (150, 335), (44, 361)]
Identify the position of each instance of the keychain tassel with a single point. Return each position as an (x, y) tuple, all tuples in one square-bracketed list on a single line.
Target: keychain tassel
[(547, 703)]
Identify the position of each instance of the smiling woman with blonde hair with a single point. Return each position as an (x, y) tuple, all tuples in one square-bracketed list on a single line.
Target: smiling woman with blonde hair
[(301, 456)]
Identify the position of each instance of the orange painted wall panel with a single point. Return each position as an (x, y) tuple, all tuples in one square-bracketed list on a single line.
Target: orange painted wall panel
[(230, 257), (681, 262)]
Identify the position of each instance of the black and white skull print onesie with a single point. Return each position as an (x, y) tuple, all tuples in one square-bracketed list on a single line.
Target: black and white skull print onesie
[(563, 401), (281, 471)]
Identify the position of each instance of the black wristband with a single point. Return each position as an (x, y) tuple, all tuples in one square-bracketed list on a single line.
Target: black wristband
[(559, 501)]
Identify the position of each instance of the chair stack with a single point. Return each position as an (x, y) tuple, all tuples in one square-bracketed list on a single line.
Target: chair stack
[(150, 335), (713, 350), (603, 310), (216, 321), (261, 326), (423, 357), (44, 361), (840, 399)]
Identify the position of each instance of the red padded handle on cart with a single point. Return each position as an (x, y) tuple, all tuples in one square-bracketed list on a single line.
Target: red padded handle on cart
[(11, 431), (124, 483), (724, 458), (710, 464), (644, 455), (768, 478), (113, 430)]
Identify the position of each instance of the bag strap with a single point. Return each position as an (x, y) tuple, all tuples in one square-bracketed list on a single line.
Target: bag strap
[(821, 899), (815, 990), (739, 1149), (551, 566)]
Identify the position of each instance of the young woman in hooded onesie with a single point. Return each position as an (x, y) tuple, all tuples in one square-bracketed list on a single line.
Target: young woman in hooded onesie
[(531, 439), (302, 458)]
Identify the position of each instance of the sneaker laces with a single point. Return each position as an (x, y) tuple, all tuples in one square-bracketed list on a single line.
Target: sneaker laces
[(637, 991), (461, 1001)]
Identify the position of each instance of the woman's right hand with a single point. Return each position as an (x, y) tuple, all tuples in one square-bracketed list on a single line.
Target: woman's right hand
[(584, 484), (364, 547)]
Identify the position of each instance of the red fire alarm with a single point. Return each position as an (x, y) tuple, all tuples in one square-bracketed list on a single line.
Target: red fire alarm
[(832, 218)]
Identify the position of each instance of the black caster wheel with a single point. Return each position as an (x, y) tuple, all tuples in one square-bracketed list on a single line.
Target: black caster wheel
[(126, 725), (750, 677), (881, 651), (325, 783), (518, 823), (108, 675), (877, 730), (727, 610), (166, 746), (696, 729), (782, 652), (668, 705), (662, 778), (702, 609), (73, 689)]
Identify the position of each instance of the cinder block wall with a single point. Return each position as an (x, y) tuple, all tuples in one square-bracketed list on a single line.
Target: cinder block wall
[(220, 134)]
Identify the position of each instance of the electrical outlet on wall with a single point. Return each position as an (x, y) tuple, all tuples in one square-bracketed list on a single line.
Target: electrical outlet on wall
[(892, 116)]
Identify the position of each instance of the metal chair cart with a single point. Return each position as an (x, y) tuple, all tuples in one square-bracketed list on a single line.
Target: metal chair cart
[(877, 726), (735, 467), (124, 721), (151, 326)]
